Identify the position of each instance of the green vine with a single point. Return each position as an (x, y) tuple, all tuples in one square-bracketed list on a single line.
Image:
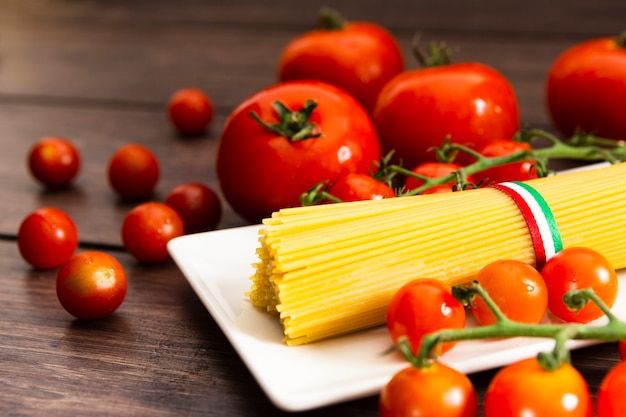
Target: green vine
[(614, 330)]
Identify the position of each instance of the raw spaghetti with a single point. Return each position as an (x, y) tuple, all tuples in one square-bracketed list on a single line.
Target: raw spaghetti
[(331, 269)]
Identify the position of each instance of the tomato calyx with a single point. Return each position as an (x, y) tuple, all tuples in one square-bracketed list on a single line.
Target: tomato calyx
[(294, 125), (620, 41), (438, 53), (330, 19)]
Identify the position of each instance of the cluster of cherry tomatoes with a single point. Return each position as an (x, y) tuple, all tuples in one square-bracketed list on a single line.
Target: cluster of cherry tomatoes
[(523, 294), (93, 284)]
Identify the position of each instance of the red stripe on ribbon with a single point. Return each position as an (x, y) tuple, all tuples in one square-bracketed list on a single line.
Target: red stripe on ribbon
[(531, 222)]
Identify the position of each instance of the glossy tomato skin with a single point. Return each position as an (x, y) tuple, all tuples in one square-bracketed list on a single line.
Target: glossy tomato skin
[(434, 170), (525, 388), (610, 400), (357, 187), (423, 306), (361, 58), (198, 206), (517, 171), (260, 171), (54, 162), (148, 228), (47, 238), (586, 89), (133, 171), (434, 391), (190, 110), (518, 290), (470, 102), (579, 268), (91, 285)]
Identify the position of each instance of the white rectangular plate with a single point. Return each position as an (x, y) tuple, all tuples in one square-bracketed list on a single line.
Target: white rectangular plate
[(218, 265)]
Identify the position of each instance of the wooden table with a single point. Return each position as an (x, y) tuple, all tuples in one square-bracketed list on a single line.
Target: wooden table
[(100, 74)]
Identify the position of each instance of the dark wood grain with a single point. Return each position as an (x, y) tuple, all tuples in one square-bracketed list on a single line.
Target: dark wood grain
[(100, 73)]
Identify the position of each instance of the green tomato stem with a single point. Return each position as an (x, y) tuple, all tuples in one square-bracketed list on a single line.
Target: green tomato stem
[(294, 125)]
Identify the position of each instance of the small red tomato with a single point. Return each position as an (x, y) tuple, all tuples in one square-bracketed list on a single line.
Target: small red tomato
[(91, 285), (578, 268), (610, 400), (434, 170), (517, 171), (359, 57), (47, 238), (148, 228), (197, 205), (357, 187), (423, 306), (517, 289), (586, 88), (133, 171), (190, 111), (469, 102), (287, 138), (524, 388), (54, 162), (433, 391)]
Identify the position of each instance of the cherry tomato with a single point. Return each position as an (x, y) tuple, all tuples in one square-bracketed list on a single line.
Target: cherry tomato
[(517, 289), (357, 56), (356, 187), (133, 171), (579, 268), (434, 170), (524, 388), (47, 238), (263, 165), (434, 391), (423, 306), (586, 88), (54, 162), (517, 171), (148, 228), (91, 285), (198, 206), (469, 102), (190, 111), (610, 400)]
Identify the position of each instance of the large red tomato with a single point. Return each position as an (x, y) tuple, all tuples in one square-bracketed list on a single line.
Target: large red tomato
[(469, 102), (264, 165), (357, 56), (586, 88)]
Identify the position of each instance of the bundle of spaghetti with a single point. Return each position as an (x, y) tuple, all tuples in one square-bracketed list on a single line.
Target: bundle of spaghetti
[(332, 269)]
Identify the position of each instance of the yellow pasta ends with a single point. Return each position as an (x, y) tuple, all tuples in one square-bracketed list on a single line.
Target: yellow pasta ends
[(331, 269)]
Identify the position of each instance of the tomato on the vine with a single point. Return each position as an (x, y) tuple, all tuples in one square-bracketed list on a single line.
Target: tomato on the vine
[(433, 391), (198, 206), (148, 228), (133, 171), (517, 171), (434, 170), (526, 388), (91, 285), (190, 110), (516, 288), (287, 138), (54, 161), (359, 57), (417, 110), (586, 88), (610, 400), (579, 268), (47, 238), (423, 306), (356, 187)]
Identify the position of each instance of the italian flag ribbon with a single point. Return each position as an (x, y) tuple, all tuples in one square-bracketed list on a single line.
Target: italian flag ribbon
[(541, 223)]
